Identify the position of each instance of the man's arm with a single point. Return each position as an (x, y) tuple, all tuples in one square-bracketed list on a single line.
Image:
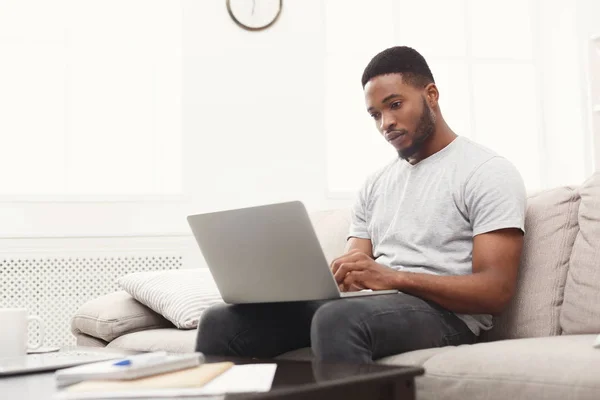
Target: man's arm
[(488, 289), (358, 244)]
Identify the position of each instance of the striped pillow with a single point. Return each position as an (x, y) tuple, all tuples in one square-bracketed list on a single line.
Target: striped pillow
[(179, 295)]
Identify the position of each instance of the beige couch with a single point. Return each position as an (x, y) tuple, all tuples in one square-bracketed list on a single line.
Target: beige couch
[(540, 348)]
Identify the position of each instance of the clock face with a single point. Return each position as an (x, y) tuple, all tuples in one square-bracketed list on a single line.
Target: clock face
[(254, 14)]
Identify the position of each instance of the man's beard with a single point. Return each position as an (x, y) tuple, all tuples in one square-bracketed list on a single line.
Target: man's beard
[(424, 130)]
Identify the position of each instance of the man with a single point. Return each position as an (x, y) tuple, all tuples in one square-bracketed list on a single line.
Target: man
[(443, 224)]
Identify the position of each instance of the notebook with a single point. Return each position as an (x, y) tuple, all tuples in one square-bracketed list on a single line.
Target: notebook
[(207, 381), (186, 378), (129, 368)]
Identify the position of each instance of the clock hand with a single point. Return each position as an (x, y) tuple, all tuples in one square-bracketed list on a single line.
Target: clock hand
[(253, 4)]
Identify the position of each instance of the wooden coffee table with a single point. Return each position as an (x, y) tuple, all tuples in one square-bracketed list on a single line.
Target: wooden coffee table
[(293, 380)]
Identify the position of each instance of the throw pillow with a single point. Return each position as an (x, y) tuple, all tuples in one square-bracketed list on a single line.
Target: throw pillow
[(181, 296)]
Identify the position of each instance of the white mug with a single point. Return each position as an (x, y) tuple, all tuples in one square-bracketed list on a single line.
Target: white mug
[(14, 323)]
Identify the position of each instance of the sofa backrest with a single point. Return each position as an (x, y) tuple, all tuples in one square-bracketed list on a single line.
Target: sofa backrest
[(580, 312), (331, 227), (550, 230)]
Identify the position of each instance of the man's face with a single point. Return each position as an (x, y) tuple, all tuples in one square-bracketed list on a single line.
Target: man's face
[(400, 112)]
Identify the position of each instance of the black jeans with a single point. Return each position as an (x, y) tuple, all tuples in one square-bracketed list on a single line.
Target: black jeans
[(359, 329)]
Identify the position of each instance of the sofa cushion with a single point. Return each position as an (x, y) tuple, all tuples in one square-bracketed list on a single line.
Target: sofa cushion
[(88, 341), (331, 227), (558, 367), (551, 227), (169, 339), (115, 314), (417, 357), (581, 309), (181, 296)]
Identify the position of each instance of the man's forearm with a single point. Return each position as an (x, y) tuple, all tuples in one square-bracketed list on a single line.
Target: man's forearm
[(466, 294)]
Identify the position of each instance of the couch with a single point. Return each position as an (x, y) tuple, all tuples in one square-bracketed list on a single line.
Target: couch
[(541, 346)]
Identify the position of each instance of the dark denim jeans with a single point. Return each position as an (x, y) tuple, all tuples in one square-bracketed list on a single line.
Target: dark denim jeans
[(359, 329)]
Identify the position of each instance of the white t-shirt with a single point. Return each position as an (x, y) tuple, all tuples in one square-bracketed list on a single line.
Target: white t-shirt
[(422, 218)]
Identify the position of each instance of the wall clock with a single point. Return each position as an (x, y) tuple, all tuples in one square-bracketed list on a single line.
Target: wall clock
[(254, 15)]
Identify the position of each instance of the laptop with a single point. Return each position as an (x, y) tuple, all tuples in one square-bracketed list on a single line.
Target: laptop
[(52, 361), (267, 253)]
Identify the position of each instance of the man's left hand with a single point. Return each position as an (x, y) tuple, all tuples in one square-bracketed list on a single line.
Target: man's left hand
[(357, 270)]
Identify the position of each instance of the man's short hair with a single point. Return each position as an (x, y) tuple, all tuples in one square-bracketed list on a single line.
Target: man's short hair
[(400, 60)]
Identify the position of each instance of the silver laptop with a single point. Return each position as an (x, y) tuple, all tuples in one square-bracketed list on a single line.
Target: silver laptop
[(266, 254), (52, 361)]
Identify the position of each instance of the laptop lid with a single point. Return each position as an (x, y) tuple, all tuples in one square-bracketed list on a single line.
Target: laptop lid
[(266, 253)]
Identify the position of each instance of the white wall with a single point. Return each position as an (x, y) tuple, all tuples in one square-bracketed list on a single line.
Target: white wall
[(253, 129), (254, 107)]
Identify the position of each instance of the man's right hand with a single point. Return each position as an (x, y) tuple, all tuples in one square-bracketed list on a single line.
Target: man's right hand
[(353, 245), (335, 265)]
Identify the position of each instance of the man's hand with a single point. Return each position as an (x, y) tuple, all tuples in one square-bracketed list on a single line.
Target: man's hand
[(355, 270)]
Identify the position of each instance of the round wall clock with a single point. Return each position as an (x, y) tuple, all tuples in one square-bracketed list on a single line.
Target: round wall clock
[(254, 15)]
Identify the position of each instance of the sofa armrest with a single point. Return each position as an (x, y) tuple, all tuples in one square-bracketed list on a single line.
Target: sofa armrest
[(115, 314)]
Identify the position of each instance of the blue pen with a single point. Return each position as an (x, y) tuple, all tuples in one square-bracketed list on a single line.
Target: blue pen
[(141, 358)]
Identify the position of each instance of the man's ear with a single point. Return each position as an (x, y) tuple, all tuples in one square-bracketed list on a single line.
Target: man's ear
[(432, 95)]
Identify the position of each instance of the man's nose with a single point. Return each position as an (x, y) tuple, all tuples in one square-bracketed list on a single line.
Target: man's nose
[(388, 122)]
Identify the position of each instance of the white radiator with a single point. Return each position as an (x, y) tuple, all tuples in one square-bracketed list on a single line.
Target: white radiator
[(54, 287)]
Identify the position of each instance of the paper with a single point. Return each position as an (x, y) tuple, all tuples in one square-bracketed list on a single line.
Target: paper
[(239, 378), (243, 378)]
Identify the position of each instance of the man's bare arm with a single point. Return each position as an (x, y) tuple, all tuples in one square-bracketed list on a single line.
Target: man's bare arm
[(496, 258), (362, 245), (488, 289)]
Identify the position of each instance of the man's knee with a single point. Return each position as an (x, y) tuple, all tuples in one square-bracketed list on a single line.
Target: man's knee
[(214, 330), (335, 327), (331, 315)]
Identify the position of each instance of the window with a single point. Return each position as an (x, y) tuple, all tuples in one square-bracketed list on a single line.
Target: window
[(90, 97), (504, 70)]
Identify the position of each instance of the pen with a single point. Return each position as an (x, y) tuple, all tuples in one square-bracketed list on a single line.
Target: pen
[(140, 358)]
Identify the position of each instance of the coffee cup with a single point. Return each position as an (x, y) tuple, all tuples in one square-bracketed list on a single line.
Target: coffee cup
[(14, 325)]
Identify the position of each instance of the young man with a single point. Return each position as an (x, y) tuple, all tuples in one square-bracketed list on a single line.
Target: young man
[(443, 224)]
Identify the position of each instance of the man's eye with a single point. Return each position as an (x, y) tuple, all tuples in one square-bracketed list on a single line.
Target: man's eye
[(375, 115), (395, 105)]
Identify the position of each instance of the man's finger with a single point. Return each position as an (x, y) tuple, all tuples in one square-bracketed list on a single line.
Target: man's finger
[(353, 281), (341, 272), (352, 256), (347, 267), (335, 264)]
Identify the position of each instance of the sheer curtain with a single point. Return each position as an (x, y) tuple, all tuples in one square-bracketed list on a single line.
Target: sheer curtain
[(509, 75), (90, 98)]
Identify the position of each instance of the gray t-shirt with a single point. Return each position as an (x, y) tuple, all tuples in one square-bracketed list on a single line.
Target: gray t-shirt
[(422, 218)]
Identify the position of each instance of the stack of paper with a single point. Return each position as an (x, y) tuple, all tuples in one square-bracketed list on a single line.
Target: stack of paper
[(207, 379)]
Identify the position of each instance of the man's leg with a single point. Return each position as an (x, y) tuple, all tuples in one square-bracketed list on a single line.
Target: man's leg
[(363, 329), (255, 330)]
